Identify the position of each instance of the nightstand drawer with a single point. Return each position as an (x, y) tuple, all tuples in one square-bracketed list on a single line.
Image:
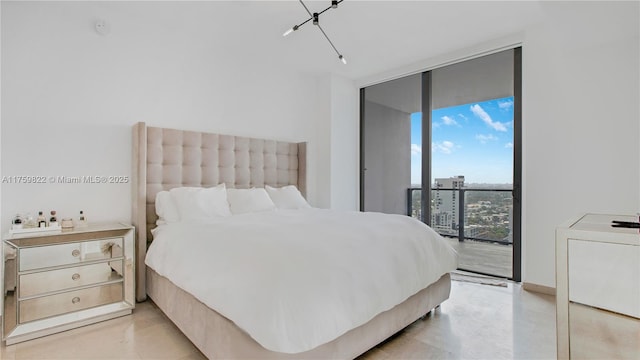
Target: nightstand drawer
[(593, 264), (65, 254), (67, 278), (46, 306), (56, 282)]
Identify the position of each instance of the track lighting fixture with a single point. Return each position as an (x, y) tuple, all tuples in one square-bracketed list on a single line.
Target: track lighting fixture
[(290, 30), (316, 21)]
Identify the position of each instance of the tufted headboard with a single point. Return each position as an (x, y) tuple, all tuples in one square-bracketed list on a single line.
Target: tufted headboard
[(167, 158)]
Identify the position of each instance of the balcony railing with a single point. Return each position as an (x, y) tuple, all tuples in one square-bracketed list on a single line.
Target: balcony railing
[(481, 214)]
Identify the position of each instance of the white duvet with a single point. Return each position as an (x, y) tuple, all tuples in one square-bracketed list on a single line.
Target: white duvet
[(296, 279)]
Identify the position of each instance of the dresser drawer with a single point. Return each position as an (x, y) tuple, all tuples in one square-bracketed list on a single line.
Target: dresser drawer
[(64, 254), (67, 278), (604, 275), (46, 306)]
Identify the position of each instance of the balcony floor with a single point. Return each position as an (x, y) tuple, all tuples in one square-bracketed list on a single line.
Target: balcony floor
[(483, 257)]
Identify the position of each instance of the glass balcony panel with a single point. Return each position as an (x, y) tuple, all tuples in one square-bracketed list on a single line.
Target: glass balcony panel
[(488, 215), (415, 198), (485, 228)]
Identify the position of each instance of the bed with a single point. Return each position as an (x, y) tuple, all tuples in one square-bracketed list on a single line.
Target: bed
[(166, 159)]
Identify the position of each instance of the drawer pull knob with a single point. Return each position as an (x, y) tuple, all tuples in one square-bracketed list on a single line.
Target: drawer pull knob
[(75, 276), (75, 300), (75, 253)]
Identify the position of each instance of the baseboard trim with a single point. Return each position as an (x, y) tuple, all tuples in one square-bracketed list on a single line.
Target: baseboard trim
[(539, 288)]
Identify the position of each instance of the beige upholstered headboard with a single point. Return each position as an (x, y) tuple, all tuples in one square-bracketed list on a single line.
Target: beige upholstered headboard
[(168, 158)]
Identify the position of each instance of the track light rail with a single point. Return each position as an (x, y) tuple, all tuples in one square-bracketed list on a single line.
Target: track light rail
[(316, 21)]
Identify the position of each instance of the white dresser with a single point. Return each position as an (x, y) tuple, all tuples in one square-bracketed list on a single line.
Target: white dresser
[(597, 287), (55, 282)]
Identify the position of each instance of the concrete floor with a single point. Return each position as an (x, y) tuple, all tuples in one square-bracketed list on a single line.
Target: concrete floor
[(483, 257), (477, 322)]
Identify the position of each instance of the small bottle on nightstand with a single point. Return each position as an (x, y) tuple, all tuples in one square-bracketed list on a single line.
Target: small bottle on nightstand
[(82, 220), (29, 221), (42, 221), (53, 221), (17, 222)]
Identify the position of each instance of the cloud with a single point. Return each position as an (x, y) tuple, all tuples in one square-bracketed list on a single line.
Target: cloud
[(484, 138), (447, 120), (479, 112), (416, 149), (509, 145), (464, 117), (505, 105), (445, 147)]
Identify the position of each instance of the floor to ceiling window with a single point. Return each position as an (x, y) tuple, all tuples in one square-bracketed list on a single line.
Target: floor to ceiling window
[(457, 168), (386, 131)]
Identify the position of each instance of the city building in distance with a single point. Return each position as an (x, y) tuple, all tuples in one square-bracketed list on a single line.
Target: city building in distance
[(444, 218), (487, 209)]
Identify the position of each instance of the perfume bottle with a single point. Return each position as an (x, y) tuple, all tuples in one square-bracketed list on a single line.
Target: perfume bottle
[(17, 222), (82, 220), (42, 221), (53, 221), (29, 221)]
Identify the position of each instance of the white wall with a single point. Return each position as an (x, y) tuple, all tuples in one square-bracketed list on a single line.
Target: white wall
[(580, 122), (70, 97), (345, 144), (581, 118), (337, 170), (323, 132)]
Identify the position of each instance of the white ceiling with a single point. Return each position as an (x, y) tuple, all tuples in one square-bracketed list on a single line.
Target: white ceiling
[(374, 36)]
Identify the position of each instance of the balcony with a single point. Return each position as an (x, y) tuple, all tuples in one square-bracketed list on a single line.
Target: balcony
[(477, 222)]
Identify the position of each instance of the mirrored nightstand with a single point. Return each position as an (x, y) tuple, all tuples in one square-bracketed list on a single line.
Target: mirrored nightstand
[(56, 282), (598, 288)]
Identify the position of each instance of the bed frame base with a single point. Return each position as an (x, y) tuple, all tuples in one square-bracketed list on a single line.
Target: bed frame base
[(217, 337)]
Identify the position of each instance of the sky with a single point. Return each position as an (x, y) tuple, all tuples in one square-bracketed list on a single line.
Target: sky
[(474, 140)]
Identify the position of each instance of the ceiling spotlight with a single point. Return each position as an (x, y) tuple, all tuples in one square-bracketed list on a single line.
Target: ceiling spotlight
[(289, 31), (316, 21)]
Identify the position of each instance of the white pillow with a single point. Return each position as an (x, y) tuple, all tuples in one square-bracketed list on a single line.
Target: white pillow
[(244, 201), (166, 208), (201, 204), (287, 197)]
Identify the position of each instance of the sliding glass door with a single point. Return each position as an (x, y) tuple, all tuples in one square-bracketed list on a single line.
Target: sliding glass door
[(388, 129), (457, 168)]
